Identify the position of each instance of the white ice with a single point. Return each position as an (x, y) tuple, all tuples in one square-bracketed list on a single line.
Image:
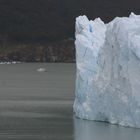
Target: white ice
[(108, 70)]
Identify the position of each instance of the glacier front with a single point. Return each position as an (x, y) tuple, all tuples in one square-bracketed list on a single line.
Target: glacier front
[(108, 70)]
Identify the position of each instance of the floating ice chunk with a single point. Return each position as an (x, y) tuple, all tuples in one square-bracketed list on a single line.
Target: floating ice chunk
[(11, 62), (108, 70), (41, 70)]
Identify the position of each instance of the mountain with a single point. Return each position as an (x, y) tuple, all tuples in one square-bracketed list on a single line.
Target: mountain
[(53, 20), (43, 30)]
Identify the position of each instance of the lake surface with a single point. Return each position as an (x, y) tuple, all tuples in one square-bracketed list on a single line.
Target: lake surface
[(38, 106)]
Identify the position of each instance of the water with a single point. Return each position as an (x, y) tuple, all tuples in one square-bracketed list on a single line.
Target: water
[(38, 106)]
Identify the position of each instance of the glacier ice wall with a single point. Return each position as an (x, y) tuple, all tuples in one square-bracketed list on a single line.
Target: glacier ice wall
[(108, 70)]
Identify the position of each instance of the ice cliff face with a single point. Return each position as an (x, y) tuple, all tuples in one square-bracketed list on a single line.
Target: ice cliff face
[(108, 70)]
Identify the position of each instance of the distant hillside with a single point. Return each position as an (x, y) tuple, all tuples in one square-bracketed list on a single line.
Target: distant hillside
[(52, 20), (61, 51)]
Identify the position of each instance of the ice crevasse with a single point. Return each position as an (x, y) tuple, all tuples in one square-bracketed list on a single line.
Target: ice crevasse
[(108, 70)]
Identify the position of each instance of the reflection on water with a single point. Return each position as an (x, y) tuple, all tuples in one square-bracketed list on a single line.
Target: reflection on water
[(92, 130)]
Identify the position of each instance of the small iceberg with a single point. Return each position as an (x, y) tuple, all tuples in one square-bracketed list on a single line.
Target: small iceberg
[(41, 70)]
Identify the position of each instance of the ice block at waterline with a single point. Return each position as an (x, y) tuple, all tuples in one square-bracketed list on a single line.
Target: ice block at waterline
[(108, 70)]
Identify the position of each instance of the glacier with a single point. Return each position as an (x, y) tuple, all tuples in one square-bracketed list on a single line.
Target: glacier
[(108, 70)]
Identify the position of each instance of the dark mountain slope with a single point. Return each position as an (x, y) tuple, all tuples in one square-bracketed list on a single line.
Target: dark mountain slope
[(53, 20)]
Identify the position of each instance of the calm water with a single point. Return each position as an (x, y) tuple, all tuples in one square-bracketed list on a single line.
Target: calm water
[(38, 106)]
